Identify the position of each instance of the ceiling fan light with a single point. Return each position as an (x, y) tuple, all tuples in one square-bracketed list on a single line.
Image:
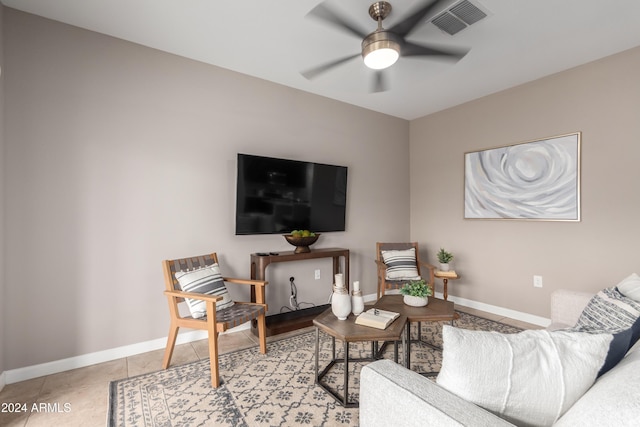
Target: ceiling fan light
[(381, 58), (380, 50)]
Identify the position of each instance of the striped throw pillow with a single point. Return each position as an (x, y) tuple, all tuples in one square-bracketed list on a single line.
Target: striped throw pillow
[(610, 311), (206, 280), (401, 264)]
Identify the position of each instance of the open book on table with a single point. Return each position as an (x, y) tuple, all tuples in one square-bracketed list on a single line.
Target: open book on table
[(376, 318)]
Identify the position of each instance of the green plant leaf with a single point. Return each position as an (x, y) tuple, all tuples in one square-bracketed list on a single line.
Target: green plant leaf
[(416, 288), (444, 257)]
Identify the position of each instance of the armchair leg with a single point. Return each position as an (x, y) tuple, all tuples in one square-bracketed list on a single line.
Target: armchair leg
[(262, 333), (171, 343), (213, 358), (212, 330)]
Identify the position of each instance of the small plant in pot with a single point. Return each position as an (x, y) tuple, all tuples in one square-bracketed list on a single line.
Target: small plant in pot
[(416, 292), (444, 258)]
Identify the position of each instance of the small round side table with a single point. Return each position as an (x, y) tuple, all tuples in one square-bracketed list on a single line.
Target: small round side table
[(445, 276)]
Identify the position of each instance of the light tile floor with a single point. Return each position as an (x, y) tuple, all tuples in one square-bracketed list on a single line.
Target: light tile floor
[(79, 397)]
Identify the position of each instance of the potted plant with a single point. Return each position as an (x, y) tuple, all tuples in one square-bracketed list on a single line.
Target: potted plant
[(444, 258), (416, 292)]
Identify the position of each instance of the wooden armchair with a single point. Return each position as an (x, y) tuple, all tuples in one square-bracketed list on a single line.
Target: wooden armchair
[(215, 321), (384, 283)]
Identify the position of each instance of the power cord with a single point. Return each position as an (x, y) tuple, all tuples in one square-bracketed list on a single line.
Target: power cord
[(293, 299)]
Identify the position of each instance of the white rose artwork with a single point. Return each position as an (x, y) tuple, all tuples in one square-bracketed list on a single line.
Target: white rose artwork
[(537, 180)]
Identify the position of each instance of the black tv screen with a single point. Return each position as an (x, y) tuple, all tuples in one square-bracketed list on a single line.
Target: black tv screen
[(279, 195)]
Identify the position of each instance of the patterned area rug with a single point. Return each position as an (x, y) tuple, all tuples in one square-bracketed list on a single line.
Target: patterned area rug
[(276, 389)]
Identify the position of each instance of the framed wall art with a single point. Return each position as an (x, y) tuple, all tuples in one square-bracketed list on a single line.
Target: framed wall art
[(534, 180)]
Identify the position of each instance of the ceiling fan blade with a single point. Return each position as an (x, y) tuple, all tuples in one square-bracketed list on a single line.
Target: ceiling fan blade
[(326, 14), (414, 49), (379, 82), (316, 71), (406, 26)]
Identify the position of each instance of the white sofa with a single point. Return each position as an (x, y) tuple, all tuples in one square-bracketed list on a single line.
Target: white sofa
[(391, 395)]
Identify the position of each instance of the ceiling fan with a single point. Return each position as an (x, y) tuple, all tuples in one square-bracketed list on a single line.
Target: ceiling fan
[(381, 48)]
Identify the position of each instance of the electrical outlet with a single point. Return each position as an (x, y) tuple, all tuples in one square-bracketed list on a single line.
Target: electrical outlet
[(317, 274), (537, 281)]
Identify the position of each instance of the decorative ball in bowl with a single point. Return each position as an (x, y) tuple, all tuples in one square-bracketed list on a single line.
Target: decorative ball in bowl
[(301, 241)]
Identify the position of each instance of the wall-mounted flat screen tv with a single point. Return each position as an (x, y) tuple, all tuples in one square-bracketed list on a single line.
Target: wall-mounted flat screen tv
[(276, 196)]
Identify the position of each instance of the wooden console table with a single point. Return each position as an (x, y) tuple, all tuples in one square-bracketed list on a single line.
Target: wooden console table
[(301, 318)]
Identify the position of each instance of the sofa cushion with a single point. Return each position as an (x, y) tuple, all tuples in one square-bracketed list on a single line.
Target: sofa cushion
[(630, 287), (529, 378), (206, 280), (614, 400), (401, 264)]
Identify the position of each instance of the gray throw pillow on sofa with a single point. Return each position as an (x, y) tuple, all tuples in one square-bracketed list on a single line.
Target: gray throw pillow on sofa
[(610, 311)]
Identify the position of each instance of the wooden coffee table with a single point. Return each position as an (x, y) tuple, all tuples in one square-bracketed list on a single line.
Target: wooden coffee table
[(347, 331), (436, 310)]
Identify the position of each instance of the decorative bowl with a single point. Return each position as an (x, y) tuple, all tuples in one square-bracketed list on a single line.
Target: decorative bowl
[(301, 243)]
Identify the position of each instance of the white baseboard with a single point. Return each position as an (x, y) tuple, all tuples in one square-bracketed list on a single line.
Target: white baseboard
[(49, 368), (506, 312), (493, 309), (54, 367)]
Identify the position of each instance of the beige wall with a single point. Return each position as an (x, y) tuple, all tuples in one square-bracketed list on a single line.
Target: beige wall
[(119, 156), (2, 297), (497, 259)]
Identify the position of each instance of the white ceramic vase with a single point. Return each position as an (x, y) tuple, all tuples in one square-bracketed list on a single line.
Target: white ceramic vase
[(357, 303), (340, 303), (444, 266), (415, 301)]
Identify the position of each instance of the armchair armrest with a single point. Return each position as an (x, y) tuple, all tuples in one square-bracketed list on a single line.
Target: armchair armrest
[(432, 275), (432, 270), (251, 282), (193, 295), (257, 287)]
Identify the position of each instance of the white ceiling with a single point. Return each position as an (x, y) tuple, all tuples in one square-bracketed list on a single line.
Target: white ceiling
[(520, 40)]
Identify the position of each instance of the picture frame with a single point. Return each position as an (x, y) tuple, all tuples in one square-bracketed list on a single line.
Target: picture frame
[(536, 180)]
